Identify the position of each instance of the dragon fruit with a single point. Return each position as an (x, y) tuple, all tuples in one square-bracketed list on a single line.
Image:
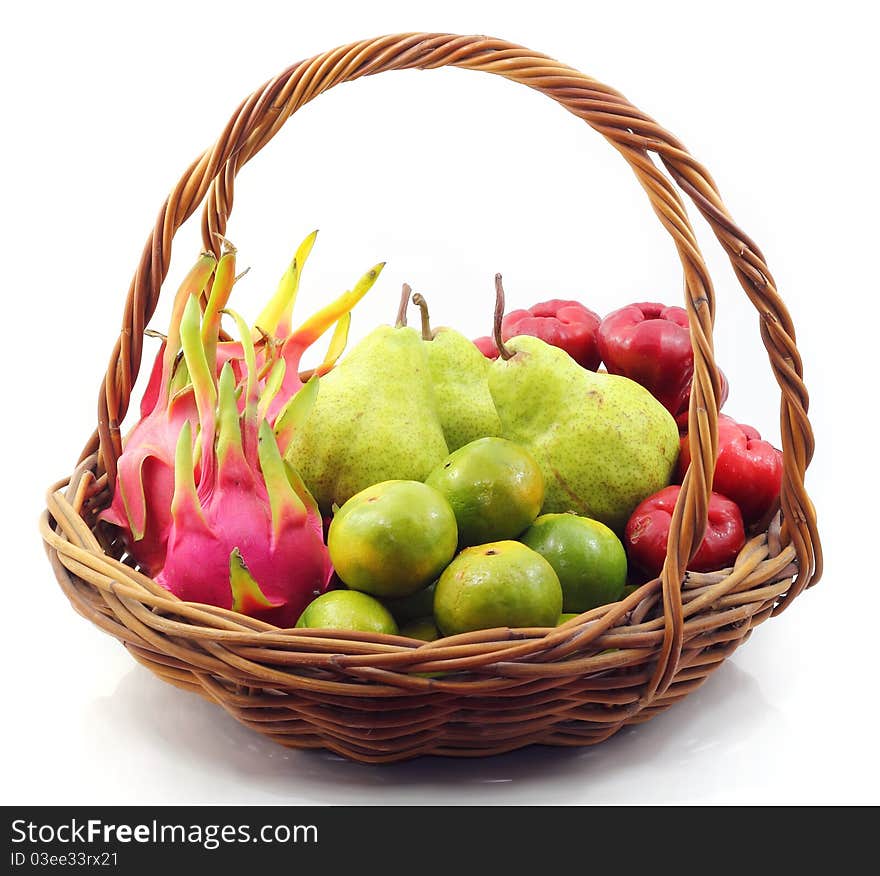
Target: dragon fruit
[(245, 533), (145, 482), (145, 470)]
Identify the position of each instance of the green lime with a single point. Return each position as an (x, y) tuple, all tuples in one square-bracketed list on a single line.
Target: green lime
[(502, 584), (495, 488), (409, 608), (393, 538), (424, 628), (348, 610), (566, 616), (586, 555)]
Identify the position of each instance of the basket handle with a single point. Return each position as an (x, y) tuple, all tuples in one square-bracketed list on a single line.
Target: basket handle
[(635, 136)]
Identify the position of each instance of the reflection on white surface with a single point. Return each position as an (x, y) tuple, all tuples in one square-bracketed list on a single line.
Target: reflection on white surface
[(176, 734)]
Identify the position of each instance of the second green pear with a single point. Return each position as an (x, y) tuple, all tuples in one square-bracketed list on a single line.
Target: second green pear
[(603, 442), (374, 420), (459, 374)]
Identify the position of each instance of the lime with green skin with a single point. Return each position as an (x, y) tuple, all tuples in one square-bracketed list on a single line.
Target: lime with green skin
[(423, 628), (495, 488), (348, 610), (409, 608), (501, 584), (566, 616), (586, 555), (392, 539)]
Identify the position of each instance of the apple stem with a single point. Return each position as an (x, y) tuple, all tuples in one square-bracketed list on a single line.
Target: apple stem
[(419, 300), (499, 315), (401, 310)]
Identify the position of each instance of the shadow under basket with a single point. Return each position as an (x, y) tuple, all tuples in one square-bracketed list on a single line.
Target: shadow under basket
[(378, 698)]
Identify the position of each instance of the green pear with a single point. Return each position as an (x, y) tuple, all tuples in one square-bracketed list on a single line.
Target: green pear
[(603, 442), (374, 420), (460, 378)]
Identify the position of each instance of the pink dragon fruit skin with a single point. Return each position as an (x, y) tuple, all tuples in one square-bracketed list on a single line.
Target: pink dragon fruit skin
[(145, 470), (249, 535)]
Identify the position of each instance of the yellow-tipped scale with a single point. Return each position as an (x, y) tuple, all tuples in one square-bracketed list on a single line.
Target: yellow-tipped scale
[(277, 315)]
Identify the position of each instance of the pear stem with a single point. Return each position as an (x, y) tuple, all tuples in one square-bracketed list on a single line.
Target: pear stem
[(404, 302), (499, 315), (419, 301)]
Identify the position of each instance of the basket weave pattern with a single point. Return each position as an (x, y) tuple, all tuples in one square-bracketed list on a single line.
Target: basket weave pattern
[(377, 698)]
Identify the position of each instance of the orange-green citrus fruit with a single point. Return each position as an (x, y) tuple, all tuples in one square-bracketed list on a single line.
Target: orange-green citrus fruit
[(586, 555), (348, 610), (424, 628), (393, 538), (495, 488), (501, 584), (409, 608)]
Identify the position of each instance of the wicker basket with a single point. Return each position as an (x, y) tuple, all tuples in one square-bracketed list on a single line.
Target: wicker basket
[(378, 698)]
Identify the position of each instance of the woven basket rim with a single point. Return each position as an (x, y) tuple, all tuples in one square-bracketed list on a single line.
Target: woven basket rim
[(763, 563)]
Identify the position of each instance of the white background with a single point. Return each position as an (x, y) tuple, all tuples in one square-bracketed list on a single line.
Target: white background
[(450, 176)]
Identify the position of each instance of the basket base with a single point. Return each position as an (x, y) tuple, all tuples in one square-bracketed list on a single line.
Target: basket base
[(567, 715)]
